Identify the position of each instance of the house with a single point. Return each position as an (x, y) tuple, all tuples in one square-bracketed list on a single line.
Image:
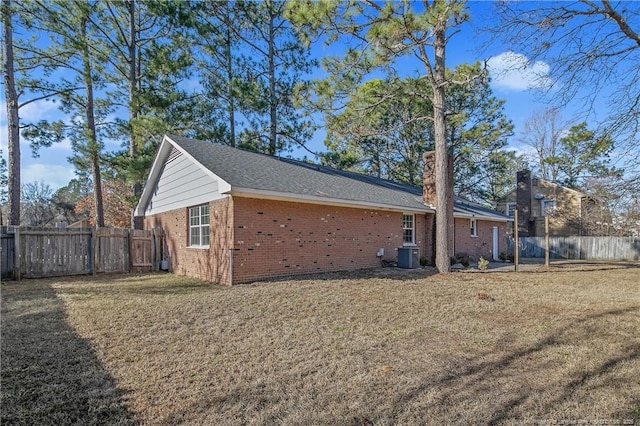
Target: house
[(571, 212), (233, 216)]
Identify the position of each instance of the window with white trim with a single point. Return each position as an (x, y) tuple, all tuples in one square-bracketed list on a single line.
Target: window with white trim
[(408, 229), (548, 207), (474, 227), (511, 209), (199, 226)]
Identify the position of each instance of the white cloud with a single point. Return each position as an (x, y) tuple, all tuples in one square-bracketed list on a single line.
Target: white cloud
[(55, 176), (514, 71), (40, 110)]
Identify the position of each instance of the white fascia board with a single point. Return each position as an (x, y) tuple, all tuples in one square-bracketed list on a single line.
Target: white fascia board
[(310, 199), (154, 175)]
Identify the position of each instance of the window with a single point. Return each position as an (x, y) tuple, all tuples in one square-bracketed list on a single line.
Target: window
[(408, 229), (548, 207), (199, 226), (474, 227), (511, 209)]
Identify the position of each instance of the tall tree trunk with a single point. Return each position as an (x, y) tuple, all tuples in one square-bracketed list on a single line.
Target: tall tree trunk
[(444, 196), (134, 90), (273, 134), (230, 89), (93, 145), (13, 120), (133, 76)]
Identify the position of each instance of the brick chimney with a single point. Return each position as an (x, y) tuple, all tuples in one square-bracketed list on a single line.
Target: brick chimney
[(523, 202), (429, 178), (429, 189)]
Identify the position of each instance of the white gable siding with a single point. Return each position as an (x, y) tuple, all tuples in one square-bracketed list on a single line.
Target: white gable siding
[(182, 183)]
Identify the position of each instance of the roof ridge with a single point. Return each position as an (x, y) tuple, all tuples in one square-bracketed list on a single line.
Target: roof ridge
[(300, 178)]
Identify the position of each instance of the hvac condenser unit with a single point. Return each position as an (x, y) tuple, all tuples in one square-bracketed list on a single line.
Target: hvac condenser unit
[(408, 257)]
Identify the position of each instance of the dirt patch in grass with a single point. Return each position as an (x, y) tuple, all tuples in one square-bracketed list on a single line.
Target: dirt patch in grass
[(361, 348)]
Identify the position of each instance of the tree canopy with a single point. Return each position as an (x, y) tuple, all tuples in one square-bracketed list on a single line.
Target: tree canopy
[(245, 73), (593, 50)]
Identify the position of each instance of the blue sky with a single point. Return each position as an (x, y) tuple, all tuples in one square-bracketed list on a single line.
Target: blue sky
[(510, 84)]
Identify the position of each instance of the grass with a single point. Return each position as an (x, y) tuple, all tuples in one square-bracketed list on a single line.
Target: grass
[(361, 348)]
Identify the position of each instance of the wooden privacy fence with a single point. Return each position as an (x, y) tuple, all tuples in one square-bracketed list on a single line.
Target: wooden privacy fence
[(584, 248), (47, 252)]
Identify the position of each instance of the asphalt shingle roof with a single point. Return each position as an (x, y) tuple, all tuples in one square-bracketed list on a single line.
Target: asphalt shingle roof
[(246, 169), (251, 170)]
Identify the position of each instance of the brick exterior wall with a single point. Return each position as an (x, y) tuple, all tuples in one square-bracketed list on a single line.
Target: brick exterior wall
[(269, 239), (210, 264), (278, 238), (482, 245)]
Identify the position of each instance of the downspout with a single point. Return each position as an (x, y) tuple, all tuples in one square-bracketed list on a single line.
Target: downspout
[(453, 239)]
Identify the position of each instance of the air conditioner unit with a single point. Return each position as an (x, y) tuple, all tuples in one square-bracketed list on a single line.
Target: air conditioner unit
[(408, 257)]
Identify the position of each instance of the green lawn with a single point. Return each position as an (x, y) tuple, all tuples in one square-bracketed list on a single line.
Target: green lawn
[(378, 347)]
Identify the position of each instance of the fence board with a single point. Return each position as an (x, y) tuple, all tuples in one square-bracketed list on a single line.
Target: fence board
[(47, 252), (580, 248), (142, 250), (113, 250), (7, 250)]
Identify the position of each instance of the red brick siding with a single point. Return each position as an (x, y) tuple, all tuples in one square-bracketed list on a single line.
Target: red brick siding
[(277, 238), (482, 245), (210, 264)]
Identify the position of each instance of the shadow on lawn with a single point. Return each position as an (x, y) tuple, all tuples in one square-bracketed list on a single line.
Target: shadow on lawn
[(529, 266), (49, 374), (389, 273), (469, 382)]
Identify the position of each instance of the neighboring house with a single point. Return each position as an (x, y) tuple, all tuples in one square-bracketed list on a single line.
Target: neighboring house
[(233, 216), (570, 212)]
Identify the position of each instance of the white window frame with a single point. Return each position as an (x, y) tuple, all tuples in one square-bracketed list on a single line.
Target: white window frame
[(199, 221), (408, 225), (544, 210), (473, 225), (510, 209)]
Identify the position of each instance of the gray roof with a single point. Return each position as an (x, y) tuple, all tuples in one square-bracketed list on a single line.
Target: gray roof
[(250, 170)]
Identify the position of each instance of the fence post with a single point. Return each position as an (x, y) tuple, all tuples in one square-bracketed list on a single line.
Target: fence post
[(516, 243), (94, 249), (231, 266), (546, 241), (130, 248), (17, 257)]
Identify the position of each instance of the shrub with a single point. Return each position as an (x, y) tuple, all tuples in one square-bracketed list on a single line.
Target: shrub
[(424, 261), (505, 257), (463, 258), (483, 264)]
